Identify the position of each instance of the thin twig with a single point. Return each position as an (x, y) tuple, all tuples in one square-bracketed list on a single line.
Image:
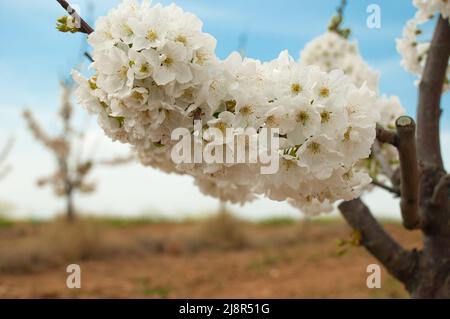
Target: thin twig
[(88, 56), (409, 170), (385, 166), (84, 26), (337, 20), (386, 187), (117, 160), (7, 149), (197, 114)]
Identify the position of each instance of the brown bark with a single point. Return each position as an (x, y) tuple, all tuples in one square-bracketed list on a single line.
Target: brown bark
[(384, 163), (390, 189), (70, 212), (401, 263), (386, 136), (68, 189), (430, 92), (441, 191), (424, 191), (434, 270), (409, 172), (84, 26)]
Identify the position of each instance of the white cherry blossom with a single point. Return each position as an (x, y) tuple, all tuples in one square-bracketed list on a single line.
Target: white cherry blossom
[(155, 71)]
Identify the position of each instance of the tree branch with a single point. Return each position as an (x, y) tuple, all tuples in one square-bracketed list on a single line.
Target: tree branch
[(398, 261), (385, 136), (441, 191), (430, 92), (386, 187), (385, 165), (6, 149), (409, 171), (197, 114), (88, 56), (84, 26)]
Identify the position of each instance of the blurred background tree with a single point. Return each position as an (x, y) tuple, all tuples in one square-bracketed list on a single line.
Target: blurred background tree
[(72, 167), (5, 168)]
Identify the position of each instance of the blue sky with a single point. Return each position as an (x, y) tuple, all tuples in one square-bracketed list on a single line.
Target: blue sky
[(34, 56)]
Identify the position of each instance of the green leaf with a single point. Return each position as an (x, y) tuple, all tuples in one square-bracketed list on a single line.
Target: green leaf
[(120, 119), (61, 25), (356, 238), (158, 144)]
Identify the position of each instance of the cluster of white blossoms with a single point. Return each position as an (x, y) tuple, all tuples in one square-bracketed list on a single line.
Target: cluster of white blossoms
[(428, 8), (411, 47), (156, 71), (331, 51), (384, 159)]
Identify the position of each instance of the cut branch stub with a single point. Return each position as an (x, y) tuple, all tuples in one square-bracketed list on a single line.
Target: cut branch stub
[(386, 136), (409, 170)]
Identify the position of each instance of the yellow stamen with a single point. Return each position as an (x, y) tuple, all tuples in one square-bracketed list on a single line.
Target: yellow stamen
[(138, 96), (324, 92), (271, 121), (151, 35), (230, 105), (325, 117), (347, 134), (296, 88), (123, 72), (302, 117), (128, 31), (246, 110), (168, 61), (145, 68), (182, 39), (314, 147)]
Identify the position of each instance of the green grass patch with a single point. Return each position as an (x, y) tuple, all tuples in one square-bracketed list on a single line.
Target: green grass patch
[(269, 260), (278, 221), (118, 222), (160, 292), (6, 223)]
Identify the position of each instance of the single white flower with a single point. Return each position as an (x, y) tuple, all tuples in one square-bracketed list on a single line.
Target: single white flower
[(173, 65), (319, 156), (304, 119), (150, 30), (116, 75)]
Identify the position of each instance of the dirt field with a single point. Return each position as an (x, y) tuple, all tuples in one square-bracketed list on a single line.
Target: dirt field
[(216, 259)]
